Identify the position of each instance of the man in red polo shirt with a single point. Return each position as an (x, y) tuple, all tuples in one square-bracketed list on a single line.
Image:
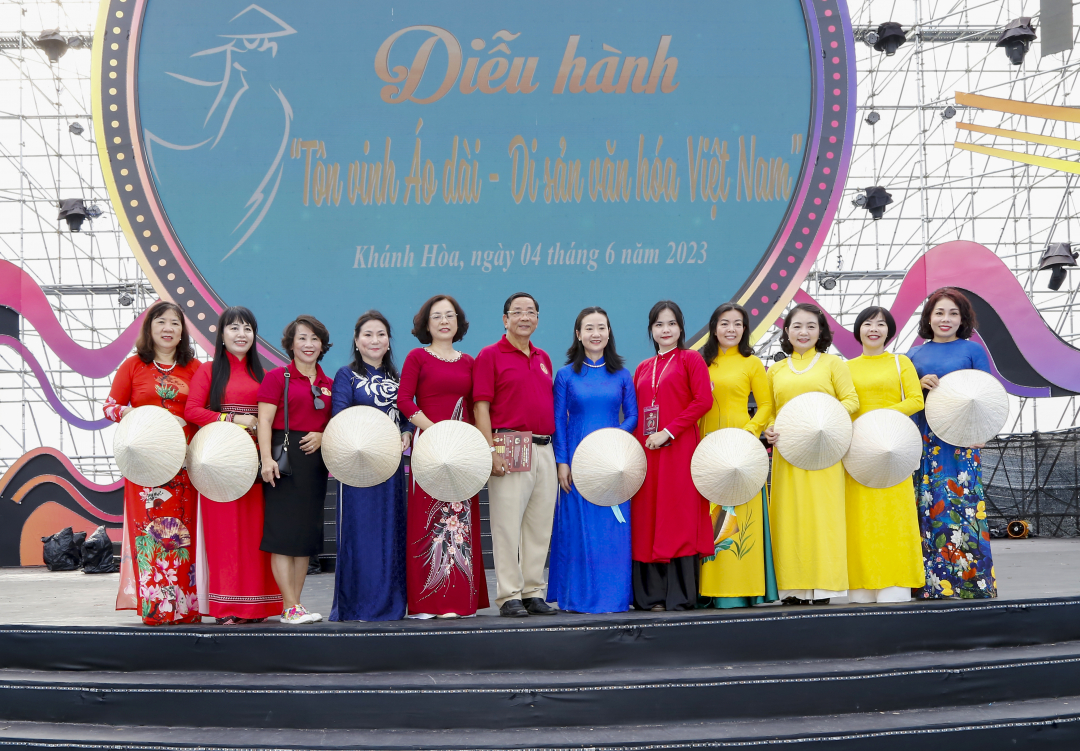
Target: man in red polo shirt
[(512, 391)]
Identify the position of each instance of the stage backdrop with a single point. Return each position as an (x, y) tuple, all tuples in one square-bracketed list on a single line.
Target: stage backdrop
[(333, 157)]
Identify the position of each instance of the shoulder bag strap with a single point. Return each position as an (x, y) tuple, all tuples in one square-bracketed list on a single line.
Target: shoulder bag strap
[(286, 406)]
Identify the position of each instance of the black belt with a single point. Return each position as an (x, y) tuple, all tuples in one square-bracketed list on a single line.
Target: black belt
[(538, 440)]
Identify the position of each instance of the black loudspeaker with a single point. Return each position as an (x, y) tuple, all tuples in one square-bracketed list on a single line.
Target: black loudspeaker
[(9, 322)]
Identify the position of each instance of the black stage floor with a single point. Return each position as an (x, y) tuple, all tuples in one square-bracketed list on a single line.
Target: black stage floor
[(952, 674)]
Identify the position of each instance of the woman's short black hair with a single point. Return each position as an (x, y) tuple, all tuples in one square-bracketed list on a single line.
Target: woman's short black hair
[(317, 328), (873, 312), (968, 322), (575, 356), (654, 314), (420, 321), (711, 348), (824, 337)]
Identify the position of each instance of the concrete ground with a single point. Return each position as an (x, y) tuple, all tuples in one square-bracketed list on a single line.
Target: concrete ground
[(1025, 569)]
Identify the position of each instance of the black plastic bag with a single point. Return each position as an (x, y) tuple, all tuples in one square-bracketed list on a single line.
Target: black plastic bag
[(60, 551), (97, 554)]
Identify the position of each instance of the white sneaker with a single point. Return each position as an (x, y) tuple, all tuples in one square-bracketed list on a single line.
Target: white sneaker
[(306, 617)]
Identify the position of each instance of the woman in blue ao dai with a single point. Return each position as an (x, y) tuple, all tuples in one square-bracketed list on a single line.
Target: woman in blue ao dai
[(369, 580), (952, 504), (590, 545)]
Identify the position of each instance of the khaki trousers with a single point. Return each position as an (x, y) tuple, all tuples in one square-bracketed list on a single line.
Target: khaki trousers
[(522, 507)]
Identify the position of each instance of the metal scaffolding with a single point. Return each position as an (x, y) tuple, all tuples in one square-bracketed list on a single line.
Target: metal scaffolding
[(940, 193)]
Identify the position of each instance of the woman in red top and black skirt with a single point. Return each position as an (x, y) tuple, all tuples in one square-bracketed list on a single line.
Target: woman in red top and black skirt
[(670, 523), (444, 566), (157, 571), (293, 516), (236, 584)]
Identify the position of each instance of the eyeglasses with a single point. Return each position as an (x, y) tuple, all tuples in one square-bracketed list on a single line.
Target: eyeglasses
[(523, 314), (319, 403), (437, 317)]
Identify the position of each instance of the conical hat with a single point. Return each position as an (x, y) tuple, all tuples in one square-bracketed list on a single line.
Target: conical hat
[(815, 431), (149, 446), (451, 461), (222, 461), (967, 407), (608, 467), (729, 467), (362, 447), (885, 449)]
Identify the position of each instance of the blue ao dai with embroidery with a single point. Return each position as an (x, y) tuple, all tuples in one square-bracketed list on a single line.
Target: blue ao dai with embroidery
[(590, 545), (369, 580)]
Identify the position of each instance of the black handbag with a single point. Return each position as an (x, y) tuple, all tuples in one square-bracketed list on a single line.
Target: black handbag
[(279, 452)]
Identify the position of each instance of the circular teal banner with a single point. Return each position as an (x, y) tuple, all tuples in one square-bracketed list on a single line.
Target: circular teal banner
[(335, 157)]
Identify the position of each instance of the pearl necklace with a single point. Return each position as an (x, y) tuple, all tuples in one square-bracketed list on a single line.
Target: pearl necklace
[(438, 357), (808, 367), (163, 369), (601, 364)]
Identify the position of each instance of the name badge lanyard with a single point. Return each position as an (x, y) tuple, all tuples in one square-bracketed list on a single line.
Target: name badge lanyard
[(652, 413)]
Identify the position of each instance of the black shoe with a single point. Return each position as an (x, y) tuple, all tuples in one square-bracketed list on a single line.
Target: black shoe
[(537, 606), (513, 609), (822, 602), (794, 601)]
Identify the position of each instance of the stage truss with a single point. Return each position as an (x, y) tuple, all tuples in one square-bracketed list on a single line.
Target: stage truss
[(940, 193)]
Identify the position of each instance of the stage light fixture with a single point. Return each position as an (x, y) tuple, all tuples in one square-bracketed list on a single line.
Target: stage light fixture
[(75, 129), (77, 43), (948, 113), (125, 299), (1018, 529), (827, 281), (859, 201), (890, 36), (779, 357), (1057, 257), (1017, 39), (94, 211), (871, 38), (877, 198), (872, 118), (52, 44), (73, 212)]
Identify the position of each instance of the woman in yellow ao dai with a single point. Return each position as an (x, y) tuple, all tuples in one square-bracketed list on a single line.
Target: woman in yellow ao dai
[(885, 559), (740, 571), (807, 509)]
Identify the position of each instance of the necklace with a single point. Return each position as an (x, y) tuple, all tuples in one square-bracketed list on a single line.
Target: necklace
[(440, 357), (163, 369), (800, 372), (599, 365)]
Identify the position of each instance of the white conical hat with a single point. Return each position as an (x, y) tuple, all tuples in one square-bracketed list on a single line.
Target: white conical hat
[(362, 447), (967, 407), (608, 467), (222, 461), (885, 449), (451, 461), (149, 446), (815, 431), (729, 467)]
